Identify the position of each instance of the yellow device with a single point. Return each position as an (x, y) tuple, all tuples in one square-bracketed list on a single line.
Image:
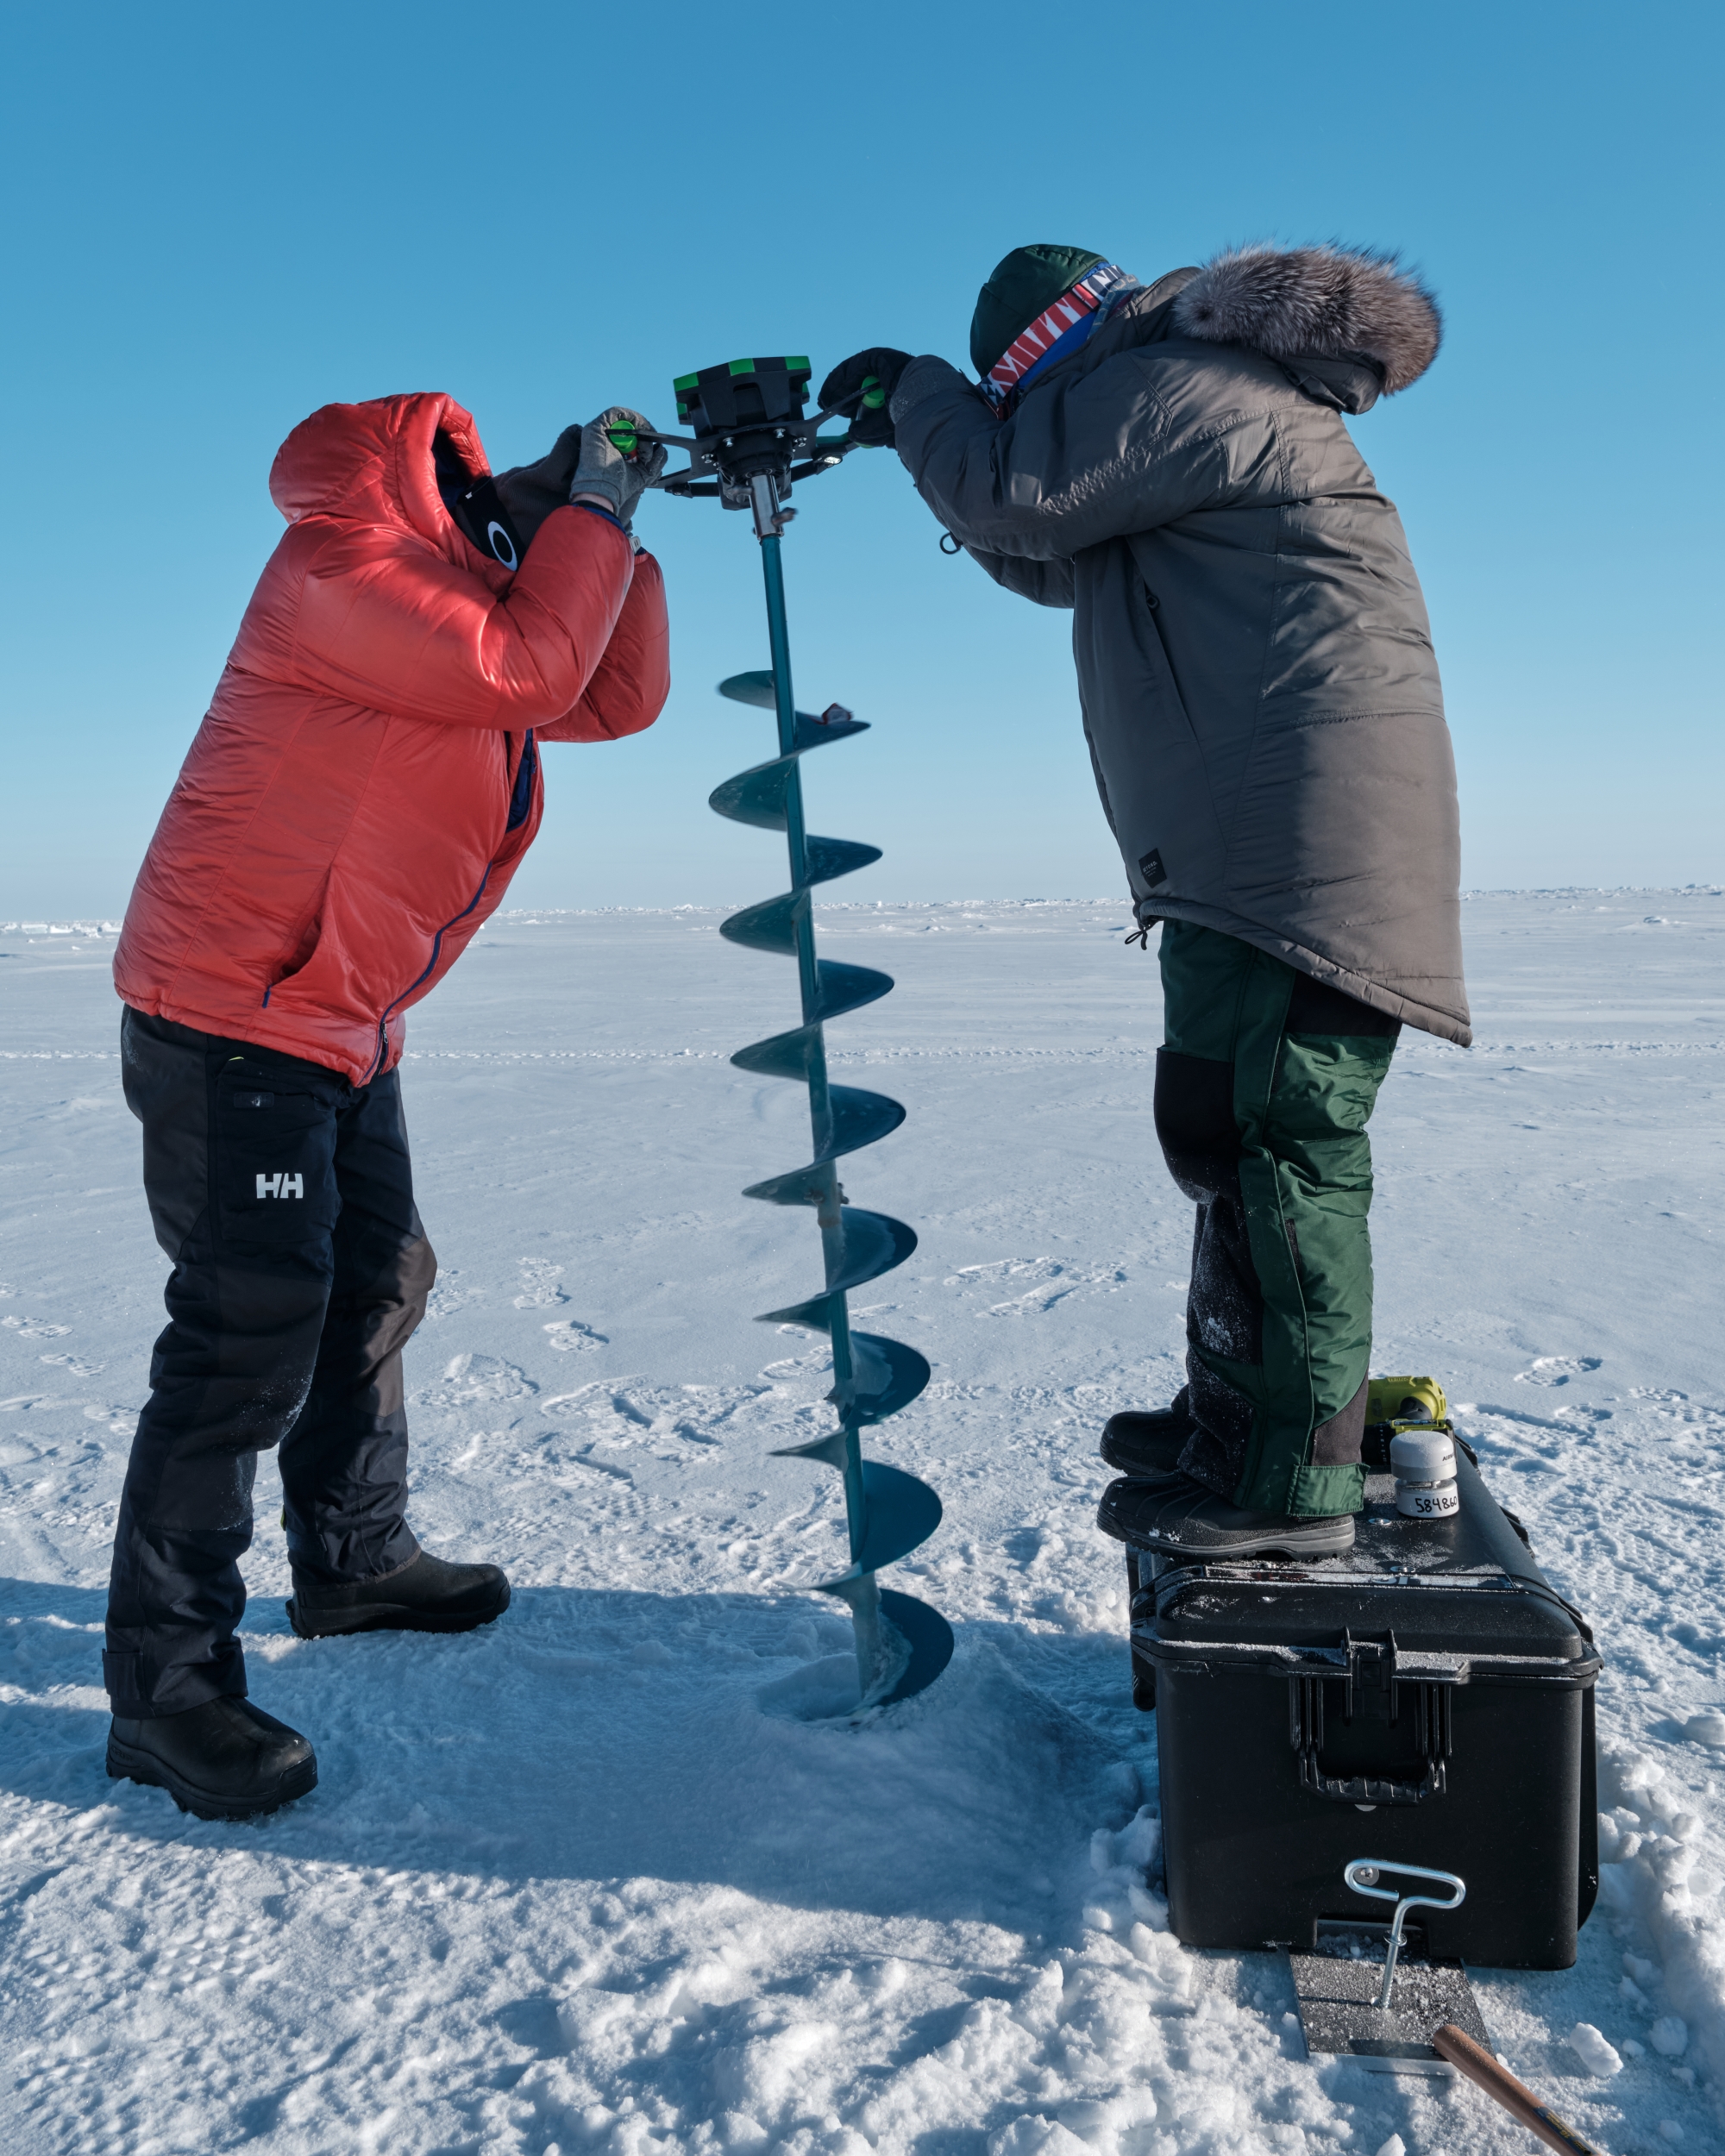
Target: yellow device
[(1405, 1402)]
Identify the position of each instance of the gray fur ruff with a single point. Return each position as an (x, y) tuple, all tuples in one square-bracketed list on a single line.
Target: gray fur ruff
[(1337, 303)]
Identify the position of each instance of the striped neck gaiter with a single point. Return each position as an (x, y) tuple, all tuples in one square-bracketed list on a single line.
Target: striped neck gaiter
[(1056, 335)]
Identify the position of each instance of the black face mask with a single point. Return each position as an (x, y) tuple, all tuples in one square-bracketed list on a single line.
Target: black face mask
[(482, 515), (477, 508)]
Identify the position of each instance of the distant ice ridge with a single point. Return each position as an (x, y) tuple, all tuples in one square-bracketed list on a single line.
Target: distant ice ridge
[(60, 928)]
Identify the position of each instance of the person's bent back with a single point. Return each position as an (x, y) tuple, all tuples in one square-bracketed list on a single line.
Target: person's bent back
[(366, 780)]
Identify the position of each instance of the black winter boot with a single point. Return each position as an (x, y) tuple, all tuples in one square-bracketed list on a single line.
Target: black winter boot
[(427, 1596), (226, 1759), (1173, 1513), (1140, 1443)]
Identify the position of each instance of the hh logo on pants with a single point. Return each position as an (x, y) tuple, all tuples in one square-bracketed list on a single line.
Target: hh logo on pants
[(281, 1185)]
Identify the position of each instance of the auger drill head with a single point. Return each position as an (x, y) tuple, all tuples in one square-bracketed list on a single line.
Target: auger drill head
[(749, 423)]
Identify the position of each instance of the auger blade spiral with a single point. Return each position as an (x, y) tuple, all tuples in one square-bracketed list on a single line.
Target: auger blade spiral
[(846, 989), (927, 1635), (748, 425), (889, 1376)]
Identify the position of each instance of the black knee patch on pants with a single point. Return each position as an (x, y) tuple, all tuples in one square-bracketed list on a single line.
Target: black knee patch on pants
[(1195, 1123), (1339, 1442), (1201, 1141)]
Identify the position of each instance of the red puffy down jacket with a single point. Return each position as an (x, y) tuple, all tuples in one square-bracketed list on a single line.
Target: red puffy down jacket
[(368, 779)]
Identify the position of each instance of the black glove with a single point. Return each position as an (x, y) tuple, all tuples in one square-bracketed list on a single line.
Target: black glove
[(875, 373), (530, 491)]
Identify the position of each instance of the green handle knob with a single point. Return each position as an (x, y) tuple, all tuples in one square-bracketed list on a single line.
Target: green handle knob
[(625, 439), (873, 395)]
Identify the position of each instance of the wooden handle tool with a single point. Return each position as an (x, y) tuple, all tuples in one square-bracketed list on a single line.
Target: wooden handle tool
[(1498, 2083)]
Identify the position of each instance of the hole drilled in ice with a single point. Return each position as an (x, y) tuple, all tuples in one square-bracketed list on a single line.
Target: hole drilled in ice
[(820, 1691)]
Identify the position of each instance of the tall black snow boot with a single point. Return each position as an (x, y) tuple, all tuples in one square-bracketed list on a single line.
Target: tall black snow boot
[(226, 1759), (426, 1596), (1140, 1443)]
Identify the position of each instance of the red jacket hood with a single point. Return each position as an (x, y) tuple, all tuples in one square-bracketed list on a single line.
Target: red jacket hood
[(373, 463)]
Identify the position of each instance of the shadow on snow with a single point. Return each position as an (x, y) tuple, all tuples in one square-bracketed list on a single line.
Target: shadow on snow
[(597, 1734)]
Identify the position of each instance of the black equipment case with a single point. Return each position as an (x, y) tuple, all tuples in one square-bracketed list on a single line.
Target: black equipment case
[(1426, 1699)]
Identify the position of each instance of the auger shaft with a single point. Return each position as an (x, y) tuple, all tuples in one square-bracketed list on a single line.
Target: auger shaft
[(751, 440), (865, 1602)]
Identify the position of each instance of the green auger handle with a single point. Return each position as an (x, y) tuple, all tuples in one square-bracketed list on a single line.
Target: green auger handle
[(873, 395), (624, 439)]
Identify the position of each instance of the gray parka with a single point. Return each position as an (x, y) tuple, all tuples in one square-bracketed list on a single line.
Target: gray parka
[(1255, 665)]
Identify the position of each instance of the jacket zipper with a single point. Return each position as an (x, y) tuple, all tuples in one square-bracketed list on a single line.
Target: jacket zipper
[(430, 968), (520, 801)]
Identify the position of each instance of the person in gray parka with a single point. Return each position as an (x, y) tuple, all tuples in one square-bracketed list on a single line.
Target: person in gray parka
[(1264, 718)]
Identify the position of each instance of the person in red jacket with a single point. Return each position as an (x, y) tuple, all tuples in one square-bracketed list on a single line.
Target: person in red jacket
[(352, 809)]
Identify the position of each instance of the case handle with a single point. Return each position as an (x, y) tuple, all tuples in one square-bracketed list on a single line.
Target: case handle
[(1432, 1736), (1364, 1788)]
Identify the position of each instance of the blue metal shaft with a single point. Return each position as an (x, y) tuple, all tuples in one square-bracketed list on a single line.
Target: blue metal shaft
[(902, 1644), (820, 1104)]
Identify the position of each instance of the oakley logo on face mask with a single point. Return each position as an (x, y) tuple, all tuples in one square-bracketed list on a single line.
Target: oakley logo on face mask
[(281, 1185), (501, 544)]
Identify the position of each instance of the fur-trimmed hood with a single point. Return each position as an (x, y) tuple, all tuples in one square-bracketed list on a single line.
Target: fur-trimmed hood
[(1324, 302)]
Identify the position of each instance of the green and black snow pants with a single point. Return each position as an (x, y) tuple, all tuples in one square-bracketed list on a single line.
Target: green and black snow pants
[(1263, 1091)]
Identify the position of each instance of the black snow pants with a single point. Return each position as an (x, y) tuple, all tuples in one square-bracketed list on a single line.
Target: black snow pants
[(285, 1197)]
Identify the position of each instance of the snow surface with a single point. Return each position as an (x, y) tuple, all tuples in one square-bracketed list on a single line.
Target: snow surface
[(599, 1878)]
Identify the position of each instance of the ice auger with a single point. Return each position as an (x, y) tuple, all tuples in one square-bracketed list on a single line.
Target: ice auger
[(751, 441)]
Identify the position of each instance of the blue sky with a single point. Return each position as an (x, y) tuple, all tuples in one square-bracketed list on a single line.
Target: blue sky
[(221, 218)]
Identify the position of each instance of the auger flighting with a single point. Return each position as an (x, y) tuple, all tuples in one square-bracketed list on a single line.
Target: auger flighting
[(751, 441)]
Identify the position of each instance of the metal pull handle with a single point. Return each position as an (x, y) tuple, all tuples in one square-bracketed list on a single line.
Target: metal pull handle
[(1361, 1875)]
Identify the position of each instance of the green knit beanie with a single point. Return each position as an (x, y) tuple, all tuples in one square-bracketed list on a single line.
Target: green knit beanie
[(1023, 287)]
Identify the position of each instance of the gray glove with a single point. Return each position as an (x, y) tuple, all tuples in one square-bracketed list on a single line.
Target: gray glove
[(613, 466)]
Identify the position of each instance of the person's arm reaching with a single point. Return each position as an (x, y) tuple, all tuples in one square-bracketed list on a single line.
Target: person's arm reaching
[(628, 688), (398, 628), (389, 622), (1077, 463), (1049, 583)]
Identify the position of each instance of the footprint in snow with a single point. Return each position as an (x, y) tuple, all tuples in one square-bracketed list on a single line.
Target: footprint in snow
[(35, 1328), (71, 1363), (568, 1334), (446, 1298), (539, 1288), (1557, 1369), (484, 1377)]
